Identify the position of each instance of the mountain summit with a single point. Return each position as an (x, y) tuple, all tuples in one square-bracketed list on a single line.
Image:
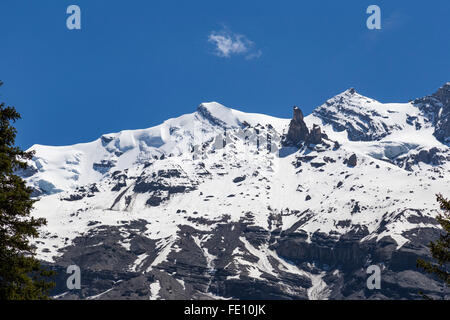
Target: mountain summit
[(220, 204)]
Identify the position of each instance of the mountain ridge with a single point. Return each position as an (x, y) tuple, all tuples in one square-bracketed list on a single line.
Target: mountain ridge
[(219, 204)]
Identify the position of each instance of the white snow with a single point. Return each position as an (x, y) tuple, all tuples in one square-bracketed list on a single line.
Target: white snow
[(271, 181), (155, 288)]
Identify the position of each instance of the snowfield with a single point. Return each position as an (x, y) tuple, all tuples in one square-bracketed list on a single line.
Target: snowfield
[(303, 215)]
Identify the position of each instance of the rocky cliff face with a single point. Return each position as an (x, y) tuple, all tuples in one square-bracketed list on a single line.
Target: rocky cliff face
[(298, 131), (437, 109), (221, 204), (270, 264)]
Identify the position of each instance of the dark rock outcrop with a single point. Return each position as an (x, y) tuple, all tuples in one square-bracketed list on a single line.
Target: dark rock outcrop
[(352, 161), (298, 131), (437, 108), (103, 166), (316, 135), (162, 184), (81, 193), (429, 156), (239, 179), (433, 156)]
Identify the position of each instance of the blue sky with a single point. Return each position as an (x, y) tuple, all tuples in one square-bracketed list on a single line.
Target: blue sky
[(137, 63)]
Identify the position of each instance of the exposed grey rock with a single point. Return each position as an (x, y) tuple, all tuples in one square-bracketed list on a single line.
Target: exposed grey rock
[(103, 166), (430, 157), (317, 164), (121, 181), (188, 272), (298, 131), (352, 161), (160, 185), (315, 136), (437, 108), (82, 192), (239, 179)]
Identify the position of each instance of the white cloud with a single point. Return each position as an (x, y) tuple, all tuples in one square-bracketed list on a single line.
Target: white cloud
[(227, 44), (254, 55)]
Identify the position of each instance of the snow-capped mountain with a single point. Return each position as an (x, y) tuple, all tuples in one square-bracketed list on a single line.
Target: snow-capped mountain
[(221, 204)]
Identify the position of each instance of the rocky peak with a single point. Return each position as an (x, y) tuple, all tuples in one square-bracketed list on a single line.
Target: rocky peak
[(443, 94), (298, 131), (363, 118), (437, 108), (298, 114), (351, 91), (349, 94)]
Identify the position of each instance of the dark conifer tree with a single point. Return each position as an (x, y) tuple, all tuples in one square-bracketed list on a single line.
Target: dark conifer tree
[(440, 249), (21, 275)]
